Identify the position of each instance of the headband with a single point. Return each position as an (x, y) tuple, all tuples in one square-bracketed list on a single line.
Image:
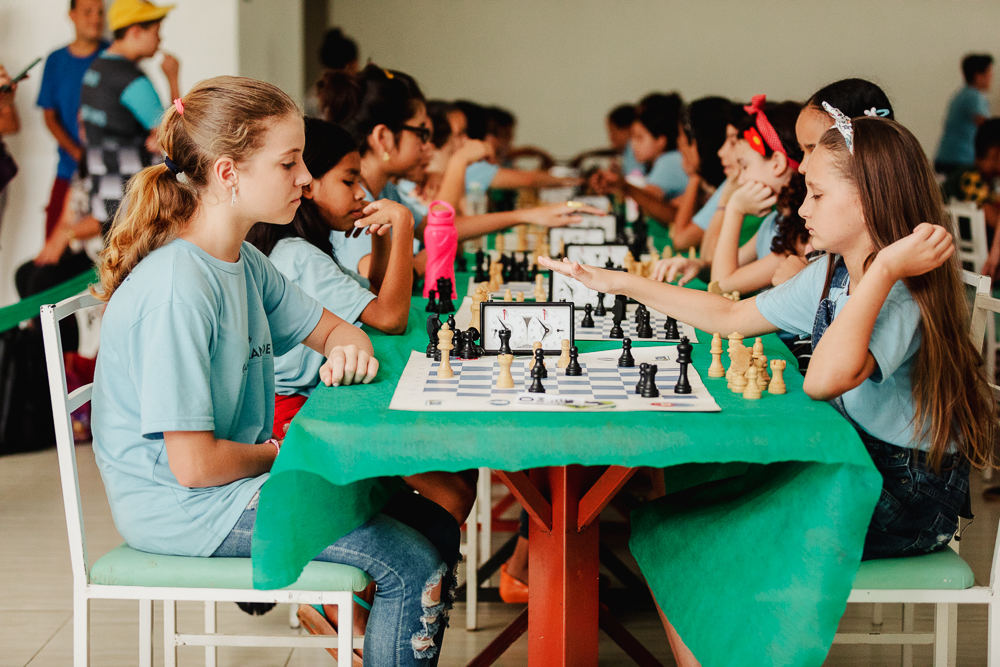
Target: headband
[(843, 125), (764, 132)]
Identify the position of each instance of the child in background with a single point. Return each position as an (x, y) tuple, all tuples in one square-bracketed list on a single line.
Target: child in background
[(335, 201), (968, 109), (182, 407), (385, 113), (444, 176), (702, 137), (59, 97), (119, 107), (888, 316), (978, 185), (619, 126), (654, 144)]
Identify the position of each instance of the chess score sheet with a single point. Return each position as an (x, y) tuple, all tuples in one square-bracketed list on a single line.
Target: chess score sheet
[(603, 386)]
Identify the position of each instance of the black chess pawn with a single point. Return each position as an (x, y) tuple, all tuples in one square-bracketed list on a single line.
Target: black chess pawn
[(433, 326), (481, 275), (643, 371), (537, 374), (649, 389), (573, 369), (644, 329), (451, 323), (618, 314), (468, 350), (670, 328), (504, 335), (540, 361), (610, 264), (600, 311), (461, 263), (683, 386), (432, 303), (626, 360), (444, 289), (588, 319)]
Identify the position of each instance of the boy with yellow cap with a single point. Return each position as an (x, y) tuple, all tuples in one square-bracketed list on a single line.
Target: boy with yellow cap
[(119, 108)]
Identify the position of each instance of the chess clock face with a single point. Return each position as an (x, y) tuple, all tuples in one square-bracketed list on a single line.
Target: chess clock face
[(548, 323), (597, 255), (559, 237)]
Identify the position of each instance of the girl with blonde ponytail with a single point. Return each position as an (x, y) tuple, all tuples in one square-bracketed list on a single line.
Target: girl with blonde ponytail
[(183, 398)]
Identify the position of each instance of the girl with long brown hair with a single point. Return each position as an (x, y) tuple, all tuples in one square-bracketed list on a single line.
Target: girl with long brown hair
[(889, 323)]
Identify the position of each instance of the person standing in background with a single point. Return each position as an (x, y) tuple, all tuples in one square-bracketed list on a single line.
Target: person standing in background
[(10, 123), (59, 97), (119, 108), (338, 53), (968, 109)]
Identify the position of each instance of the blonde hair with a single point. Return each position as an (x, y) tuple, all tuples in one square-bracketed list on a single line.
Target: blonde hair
[(223, 116), (896, 186)]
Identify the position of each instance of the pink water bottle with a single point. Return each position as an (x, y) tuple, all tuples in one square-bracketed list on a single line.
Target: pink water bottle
[(441, 242)]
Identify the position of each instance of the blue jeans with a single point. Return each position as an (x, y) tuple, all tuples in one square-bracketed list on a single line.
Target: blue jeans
[(407, 549), (917, 511)]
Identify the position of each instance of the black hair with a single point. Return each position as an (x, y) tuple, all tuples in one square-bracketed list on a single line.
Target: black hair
[(975, 63), (853, 97), (326, 145), (338, 50), (475, 118), (622, 116), (121, 32), (987, 137), (661, 115), (437, 112), (737, 115), (791, 228), (374, 96), (705, 123), (498, 118)]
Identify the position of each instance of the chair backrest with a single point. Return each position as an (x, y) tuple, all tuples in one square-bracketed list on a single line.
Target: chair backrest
[(969, 224), (982, 285), (63, 404)]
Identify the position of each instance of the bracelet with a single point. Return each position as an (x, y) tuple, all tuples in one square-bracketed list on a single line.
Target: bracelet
[(276, 443), (721, 208)]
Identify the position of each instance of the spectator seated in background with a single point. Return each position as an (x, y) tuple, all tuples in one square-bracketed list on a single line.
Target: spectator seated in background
[(978, 182)]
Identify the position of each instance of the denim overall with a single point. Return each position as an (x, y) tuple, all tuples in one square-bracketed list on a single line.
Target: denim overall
[(918, 510)]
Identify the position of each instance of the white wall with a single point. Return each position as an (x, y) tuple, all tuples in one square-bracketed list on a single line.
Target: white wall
[(271, 43), (560, 65), (203, 35)]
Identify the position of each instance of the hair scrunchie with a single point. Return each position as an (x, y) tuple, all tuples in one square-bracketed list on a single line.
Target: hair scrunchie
[(174, 169)]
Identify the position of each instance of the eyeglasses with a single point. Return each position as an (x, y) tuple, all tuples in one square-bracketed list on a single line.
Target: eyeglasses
[(423, 133)]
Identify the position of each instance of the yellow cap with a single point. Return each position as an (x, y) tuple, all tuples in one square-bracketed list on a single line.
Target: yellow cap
[(124, 13)]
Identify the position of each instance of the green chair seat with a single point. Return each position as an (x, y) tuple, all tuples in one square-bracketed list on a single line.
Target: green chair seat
[(942, 569), (124, 566)]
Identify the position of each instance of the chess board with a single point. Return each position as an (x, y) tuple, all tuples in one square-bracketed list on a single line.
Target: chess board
[(602, 326), (515, 287), (603, 386)]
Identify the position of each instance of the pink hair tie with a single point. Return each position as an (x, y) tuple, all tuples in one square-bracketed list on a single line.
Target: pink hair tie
[(179, 105)]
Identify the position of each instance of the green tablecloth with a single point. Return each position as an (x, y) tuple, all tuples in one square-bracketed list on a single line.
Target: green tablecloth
[(25, 309), (752, 560)]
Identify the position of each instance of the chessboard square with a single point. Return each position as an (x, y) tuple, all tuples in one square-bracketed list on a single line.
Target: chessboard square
[(572, 392), (482, 376)]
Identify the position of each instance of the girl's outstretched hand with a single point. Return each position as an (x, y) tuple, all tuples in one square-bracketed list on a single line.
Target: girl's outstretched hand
[(380, 217), (348, 364), (600, 280), (926, 248), (753, 198), (559, 215), (475, 150), (687, 268)]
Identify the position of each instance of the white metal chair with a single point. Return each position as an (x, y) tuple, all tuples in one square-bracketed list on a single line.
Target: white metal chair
[(127, 574), (969, 226), (941, 578)]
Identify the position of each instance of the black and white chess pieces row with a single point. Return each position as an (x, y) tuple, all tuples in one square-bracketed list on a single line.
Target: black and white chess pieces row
[(647, 372), (514, 270), (439, 300), (466, 342)]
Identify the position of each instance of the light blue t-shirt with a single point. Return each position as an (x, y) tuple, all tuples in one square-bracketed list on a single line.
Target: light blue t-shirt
[(631, 166), (765, 234), (351, 251), (882, 404), (341, 291), (188, 344), (958, 141), (668, 174), (705, 214), (481, 172)]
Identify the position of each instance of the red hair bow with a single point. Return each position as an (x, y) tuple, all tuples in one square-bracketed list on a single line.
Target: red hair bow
[(764, 132)]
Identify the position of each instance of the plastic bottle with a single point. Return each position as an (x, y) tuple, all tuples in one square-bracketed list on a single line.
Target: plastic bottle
[(441, 241), (475, 199)]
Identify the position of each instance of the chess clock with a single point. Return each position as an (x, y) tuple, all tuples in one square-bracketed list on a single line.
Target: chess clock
[(549, 323)]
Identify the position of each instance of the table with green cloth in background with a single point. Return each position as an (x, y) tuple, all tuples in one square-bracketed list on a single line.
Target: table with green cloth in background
[(751, 553)]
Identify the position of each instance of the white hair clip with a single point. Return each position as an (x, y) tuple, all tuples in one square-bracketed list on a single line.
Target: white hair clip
[(873, 112), (843, 125)]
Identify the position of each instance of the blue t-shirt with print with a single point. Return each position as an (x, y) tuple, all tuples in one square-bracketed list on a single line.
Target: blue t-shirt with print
[(351, 251), (667, 173), (188, 344), (958, 141), (60, 92), (341, 291), (883, 404)]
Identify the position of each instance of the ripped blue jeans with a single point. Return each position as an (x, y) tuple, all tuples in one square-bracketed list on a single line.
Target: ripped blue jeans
[(410, 558)]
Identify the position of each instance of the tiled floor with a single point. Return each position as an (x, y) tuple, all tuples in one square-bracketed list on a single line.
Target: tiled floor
[(36, 593)]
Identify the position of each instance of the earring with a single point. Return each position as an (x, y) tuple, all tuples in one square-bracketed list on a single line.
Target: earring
[(385, 156), (233, 201)]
